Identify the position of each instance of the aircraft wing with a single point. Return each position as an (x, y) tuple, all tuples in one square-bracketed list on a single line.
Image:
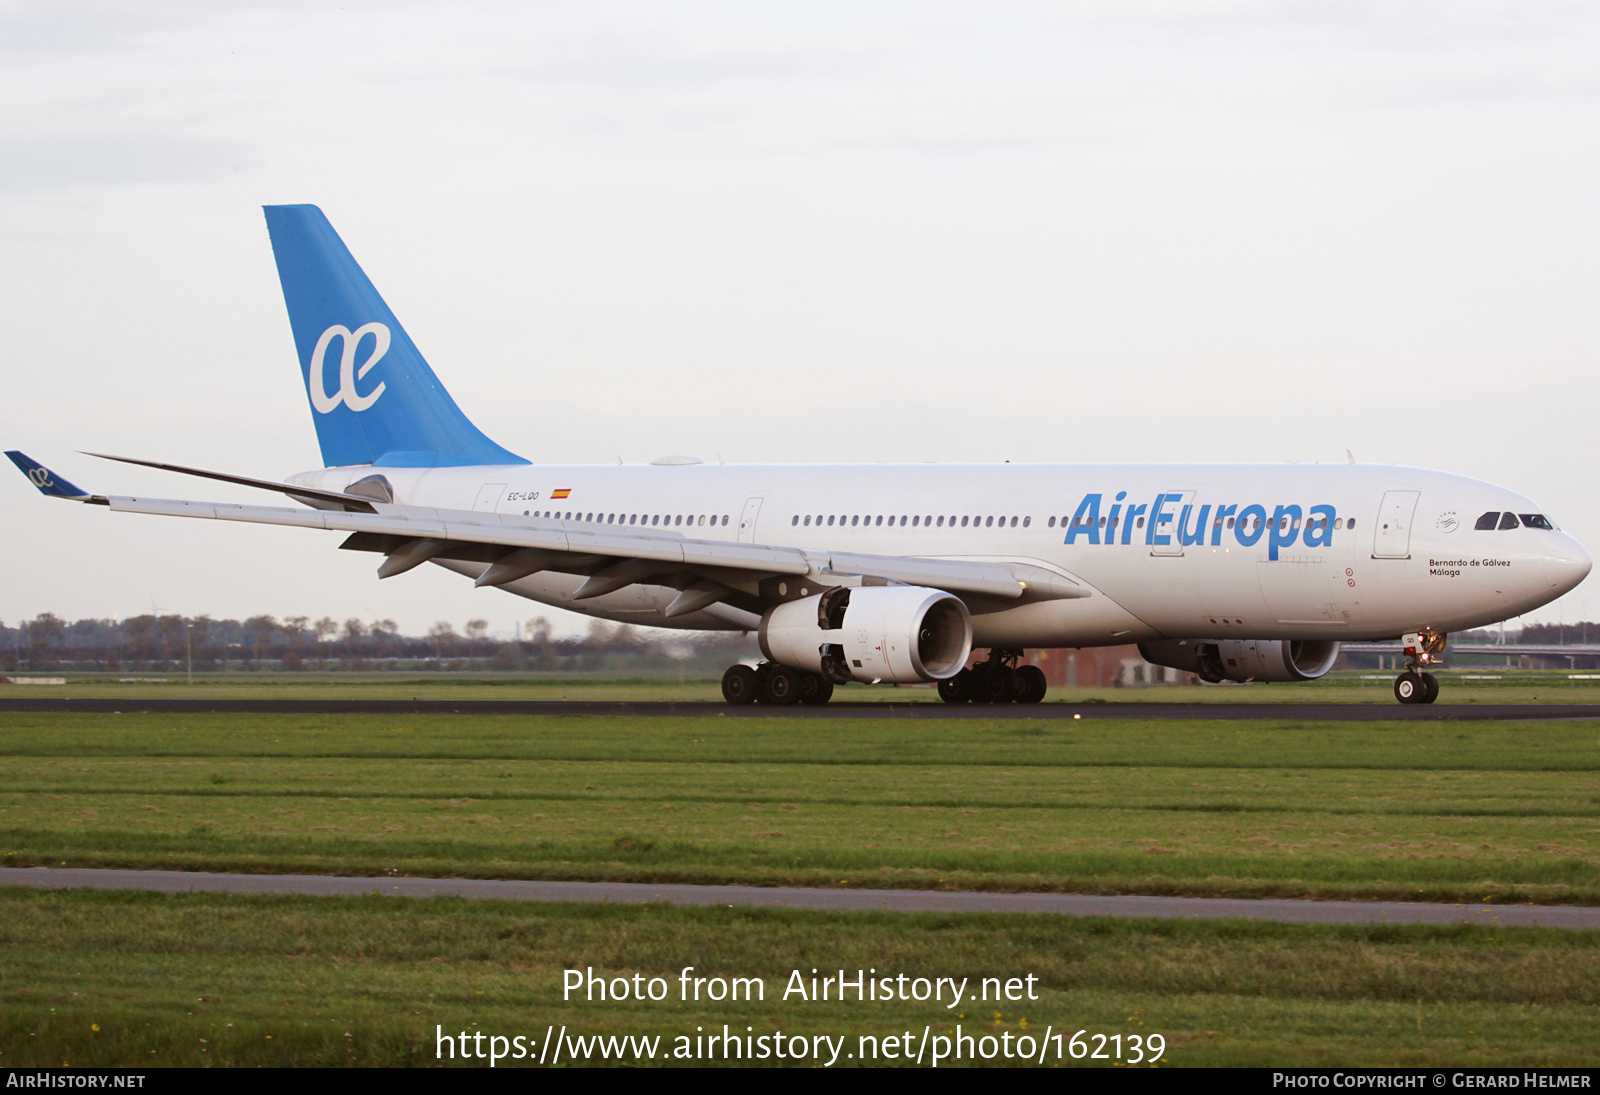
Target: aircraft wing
[(513, 546)]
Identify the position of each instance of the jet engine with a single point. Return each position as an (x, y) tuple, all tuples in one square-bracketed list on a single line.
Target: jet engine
[(904, 634), (1245, 659)]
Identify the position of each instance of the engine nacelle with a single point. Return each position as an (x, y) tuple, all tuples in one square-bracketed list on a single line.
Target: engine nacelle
[(903, 634), (1245, 659)]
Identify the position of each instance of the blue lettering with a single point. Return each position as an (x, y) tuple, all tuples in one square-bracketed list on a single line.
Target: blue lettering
[(1285, 529), (1157, 517), (1223, 513), (1199, 536), (1249, 528), (1319, 533), (1111, 525), (1088, 509), (1127, 522)]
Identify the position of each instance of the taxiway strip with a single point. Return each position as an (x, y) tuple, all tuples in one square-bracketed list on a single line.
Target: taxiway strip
[(1317, 712), (791, 897)]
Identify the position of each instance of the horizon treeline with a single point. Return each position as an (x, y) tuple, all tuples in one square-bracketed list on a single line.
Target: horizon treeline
[(166, 642)]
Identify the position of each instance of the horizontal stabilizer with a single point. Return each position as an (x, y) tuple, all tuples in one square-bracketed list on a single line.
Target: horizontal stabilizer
[(309, 495), (46, 480)]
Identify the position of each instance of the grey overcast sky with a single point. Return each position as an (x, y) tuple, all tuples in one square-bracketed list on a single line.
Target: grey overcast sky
[(1120, 230)]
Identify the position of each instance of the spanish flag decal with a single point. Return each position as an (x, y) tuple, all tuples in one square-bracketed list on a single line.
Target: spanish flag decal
[(557, 494)]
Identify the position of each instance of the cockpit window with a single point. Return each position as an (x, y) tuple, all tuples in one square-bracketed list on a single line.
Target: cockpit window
[(1488, 521), (1535, 520), (1508, 520)]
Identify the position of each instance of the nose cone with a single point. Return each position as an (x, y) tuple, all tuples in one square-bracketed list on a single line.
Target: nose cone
[(1566, 564)]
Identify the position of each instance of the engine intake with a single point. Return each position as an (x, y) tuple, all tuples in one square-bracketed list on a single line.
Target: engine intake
[(1245, 659), (903, 634)]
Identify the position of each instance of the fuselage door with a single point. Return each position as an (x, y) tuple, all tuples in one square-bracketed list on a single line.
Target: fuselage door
[(1391, 533), (488, 497), (747, 520), (1172, 509)]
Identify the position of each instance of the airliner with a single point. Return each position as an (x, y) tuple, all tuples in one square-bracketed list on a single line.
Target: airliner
[(883, 573)]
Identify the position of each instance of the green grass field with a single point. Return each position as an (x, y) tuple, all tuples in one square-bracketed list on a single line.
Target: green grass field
[(1460, 686), (149, 980), (1421, 811)]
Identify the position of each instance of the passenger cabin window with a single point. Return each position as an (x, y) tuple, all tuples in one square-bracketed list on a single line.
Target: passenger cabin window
[(1508, 520), (1536, 520)]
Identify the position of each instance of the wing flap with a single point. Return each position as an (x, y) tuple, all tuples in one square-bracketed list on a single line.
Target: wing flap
[(400, 524), (586, 549), (956, 576)]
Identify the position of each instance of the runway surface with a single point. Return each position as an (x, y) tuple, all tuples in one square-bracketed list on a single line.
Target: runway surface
[(1317, 712), (630, 893)]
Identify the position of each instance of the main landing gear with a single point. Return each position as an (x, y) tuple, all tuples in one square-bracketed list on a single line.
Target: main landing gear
[(1416, 685), (998, 680), (779, 685)]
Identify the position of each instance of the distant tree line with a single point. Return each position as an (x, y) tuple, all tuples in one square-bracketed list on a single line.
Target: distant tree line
[(1582, 632), (157, 643)]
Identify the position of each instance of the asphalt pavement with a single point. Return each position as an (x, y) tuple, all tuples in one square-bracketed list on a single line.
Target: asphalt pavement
[(1314, 712), (794, 897)]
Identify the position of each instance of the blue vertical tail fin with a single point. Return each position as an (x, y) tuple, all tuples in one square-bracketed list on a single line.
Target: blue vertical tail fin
[(373, 398)]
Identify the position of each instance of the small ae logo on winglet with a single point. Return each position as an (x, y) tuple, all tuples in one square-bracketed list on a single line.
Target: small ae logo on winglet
[(348, 373), (41, 477)]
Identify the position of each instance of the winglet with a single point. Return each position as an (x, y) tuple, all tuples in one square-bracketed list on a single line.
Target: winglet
[(46, 480)]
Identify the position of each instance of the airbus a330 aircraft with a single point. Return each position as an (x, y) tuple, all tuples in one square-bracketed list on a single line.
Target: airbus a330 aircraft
[(887, 573)]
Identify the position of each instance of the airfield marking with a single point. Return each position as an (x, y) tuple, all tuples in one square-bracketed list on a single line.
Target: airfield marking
[(794, 897), (1333, 712)]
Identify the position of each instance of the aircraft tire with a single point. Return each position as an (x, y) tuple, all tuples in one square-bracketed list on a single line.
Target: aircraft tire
[(1409, 688), (815, 689), (739, 684), (997, 684), (1430, 685), (957, 689), (1032, 684), (781, 687)]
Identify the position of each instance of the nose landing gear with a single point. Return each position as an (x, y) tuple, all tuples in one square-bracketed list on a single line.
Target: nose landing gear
[(1416, 685), (1410, 687)]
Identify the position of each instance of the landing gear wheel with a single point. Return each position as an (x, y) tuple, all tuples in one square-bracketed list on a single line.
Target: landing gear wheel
[(958, 689), (998, 684), (1032, 682), (781, 687), (815, 689), (739, 684), (1410, 688), (1430, 684)]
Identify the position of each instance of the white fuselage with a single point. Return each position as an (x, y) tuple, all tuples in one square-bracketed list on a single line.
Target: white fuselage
[(1344, 552)]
